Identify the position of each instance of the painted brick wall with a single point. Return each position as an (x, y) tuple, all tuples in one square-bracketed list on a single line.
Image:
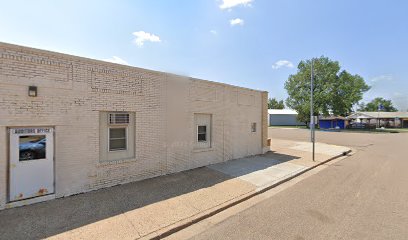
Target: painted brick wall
[(73, 90)]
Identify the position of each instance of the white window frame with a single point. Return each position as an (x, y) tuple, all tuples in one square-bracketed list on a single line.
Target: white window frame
[(202, 119), (206, 134), (126, 138), (253, 127)]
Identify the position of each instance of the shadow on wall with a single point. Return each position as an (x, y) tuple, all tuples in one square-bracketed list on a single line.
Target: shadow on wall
[(50, 218)]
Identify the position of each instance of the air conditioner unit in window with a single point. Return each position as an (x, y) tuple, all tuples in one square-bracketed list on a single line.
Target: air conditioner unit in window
[(118, 118)]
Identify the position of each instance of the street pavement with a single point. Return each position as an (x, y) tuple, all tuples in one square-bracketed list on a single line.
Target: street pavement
[(153, 207), (364, 196)]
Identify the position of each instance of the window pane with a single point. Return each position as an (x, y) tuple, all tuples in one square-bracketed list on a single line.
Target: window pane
[(202, 129), (117, 139), (117, 133), (253, 127), (117, 144), (32, 147), (202, 137)]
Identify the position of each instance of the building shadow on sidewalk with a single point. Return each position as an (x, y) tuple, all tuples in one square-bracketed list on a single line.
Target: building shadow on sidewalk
[(50, 218), (279, 156)]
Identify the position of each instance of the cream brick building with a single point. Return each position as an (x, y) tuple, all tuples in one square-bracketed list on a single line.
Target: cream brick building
[(108, 124)]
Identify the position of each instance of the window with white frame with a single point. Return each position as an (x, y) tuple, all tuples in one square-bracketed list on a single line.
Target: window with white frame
[(202, 137), (253, 127), (118, 127), (117, 135), (117, 138), (202, 133)]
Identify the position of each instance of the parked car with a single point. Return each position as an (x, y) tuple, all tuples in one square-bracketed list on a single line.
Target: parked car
[(358, 125), (34, 149)]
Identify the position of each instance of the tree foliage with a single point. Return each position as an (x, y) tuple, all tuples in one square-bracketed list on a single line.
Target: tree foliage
[(375, 103), (275, 104), (335, 90)]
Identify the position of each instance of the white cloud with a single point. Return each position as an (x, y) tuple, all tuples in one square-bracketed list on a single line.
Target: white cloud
[(142, 36), (228, 4), (117, 60), (382, 78), (213, 32), (236, 21), (282, 63)]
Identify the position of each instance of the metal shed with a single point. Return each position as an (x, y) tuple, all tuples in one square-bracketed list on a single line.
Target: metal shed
[(283, 117), (332, 122)]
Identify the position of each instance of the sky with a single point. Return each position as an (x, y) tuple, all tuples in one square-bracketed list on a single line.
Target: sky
[(249, 43)]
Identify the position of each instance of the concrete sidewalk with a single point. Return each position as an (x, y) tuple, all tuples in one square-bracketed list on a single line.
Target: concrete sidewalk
[(153, 207)]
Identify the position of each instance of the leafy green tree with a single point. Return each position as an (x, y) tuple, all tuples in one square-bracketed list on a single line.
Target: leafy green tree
[(335, 90), (275, 104), (375, 103)]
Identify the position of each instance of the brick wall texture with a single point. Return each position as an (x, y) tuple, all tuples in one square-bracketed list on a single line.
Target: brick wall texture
[(73, 90)]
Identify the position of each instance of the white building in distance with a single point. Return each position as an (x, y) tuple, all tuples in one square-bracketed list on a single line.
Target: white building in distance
[(283, 117)]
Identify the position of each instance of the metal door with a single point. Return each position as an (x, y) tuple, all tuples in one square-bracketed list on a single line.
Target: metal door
[(31, 168)]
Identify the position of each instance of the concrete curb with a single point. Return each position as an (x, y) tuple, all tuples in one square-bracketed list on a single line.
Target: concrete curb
[(167, 231)]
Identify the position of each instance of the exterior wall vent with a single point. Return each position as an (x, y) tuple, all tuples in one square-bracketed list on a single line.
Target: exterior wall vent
[(118, 118)]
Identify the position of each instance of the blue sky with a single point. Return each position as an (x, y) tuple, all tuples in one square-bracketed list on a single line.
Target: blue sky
[(254, 44)]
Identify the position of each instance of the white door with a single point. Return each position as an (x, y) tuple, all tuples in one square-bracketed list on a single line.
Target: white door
[(31, 168)]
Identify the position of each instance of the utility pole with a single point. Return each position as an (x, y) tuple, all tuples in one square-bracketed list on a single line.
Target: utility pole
[(379, 108), (312, 118)]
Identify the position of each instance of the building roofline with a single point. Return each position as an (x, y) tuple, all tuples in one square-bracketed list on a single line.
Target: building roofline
[(285, 111), (380, 114), (22, 48), (333, 118)]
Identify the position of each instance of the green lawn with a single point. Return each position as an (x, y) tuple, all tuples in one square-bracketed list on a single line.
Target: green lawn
[(304, 127), (401, 130), (386, 130)]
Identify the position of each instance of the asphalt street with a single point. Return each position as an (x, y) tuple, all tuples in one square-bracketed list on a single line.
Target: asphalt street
[(364, 196)]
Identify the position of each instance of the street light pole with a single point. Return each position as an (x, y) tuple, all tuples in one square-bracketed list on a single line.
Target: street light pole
[(312, 122)]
